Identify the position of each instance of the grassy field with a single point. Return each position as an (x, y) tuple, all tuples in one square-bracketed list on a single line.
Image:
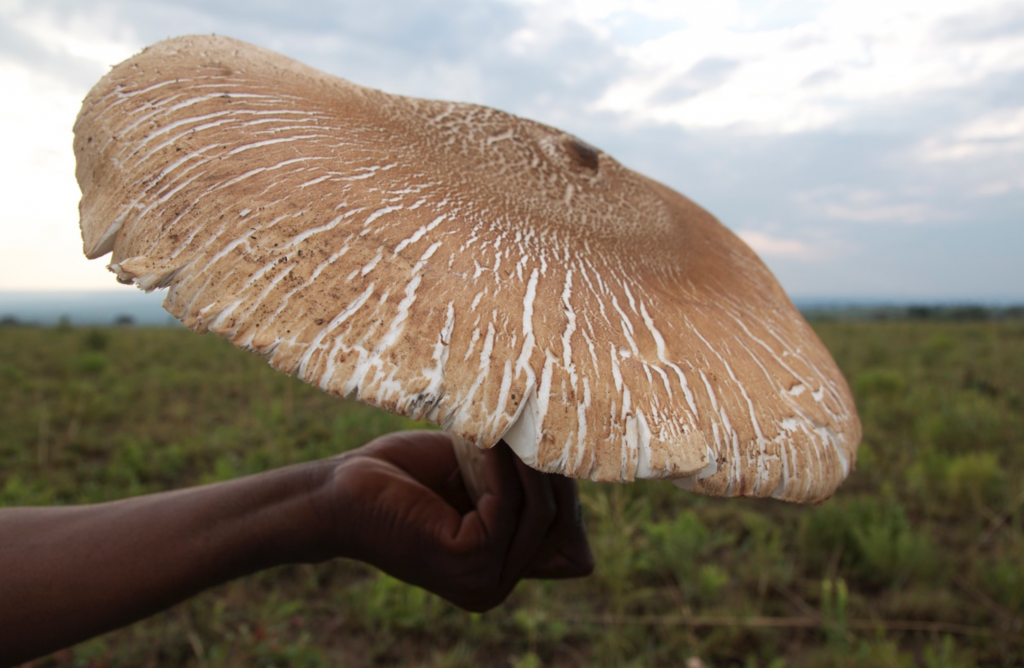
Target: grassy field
[(918, 560)]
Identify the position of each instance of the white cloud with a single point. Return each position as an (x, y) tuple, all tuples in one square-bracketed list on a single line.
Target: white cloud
[(1015, 182), (41, 245), (770, 246), (789, 245), (995, 133), (37, 165), (813, 71), (1001, 125), (865, 205), (598, 13), (86, 40)]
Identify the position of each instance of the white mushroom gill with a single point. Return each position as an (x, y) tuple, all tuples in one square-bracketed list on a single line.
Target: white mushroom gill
[(457, 263)]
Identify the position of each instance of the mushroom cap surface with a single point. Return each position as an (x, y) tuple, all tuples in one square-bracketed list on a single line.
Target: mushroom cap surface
[(457, 263)]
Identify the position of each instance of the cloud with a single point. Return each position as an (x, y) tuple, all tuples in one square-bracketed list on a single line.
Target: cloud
[(769, 246), (821, 78), (819, 70), (998, 132), (51, 44), (518, 56), (21, 49), (999, 187), (863, 205), (706, 74), (981, 26)]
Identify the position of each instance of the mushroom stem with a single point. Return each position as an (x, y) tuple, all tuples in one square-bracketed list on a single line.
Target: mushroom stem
[(469, 463)]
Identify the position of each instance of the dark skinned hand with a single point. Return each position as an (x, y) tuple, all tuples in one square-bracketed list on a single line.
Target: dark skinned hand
[(399, 504), (68, 573)]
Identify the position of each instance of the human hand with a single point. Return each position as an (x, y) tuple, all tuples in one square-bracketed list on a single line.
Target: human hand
[(399, 503)]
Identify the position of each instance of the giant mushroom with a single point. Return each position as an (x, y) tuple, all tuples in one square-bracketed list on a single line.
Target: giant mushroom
[(460, 264)]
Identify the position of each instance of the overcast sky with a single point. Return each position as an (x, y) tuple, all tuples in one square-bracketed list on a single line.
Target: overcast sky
[(865, 148)]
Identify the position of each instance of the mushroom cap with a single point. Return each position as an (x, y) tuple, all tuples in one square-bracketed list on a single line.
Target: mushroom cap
[(457, 263)]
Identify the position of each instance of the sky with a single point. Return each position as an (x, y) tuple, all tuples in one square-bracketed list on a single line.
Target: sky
[(865, 149)]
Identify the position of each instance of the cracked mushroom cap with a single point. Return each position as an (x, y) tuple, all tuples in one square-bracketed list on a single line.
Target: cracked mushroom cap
[(456, 263)]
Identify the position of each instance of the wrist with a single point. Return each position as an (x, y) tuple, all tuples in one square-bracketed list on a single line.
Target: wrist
[(282, 518), (317, 534)]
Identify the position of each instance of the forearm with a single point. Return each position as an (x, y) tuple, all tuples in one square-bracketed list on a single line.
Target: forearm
[(69, 573)]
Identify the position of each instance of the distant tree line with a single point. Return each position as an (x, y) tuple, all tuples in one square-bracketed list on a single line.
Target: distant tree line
[(9, 320), (937, 312)]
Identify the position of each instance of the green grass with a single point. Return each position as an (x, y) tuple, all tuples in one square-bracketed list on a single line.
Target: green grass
[(917, 561)]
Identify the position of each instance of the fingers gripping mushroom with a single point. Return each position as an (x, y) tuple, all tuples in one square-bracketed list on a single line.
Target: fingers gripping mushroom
[(456, 263)]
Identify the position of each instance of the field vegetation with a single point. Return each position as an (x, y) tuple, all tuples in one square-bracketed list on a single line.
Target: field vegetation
[(917, 561)]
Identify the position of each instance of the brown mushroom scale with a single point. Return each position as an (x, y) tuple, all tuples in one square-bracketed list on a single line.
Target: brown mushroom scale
[(456, 263)]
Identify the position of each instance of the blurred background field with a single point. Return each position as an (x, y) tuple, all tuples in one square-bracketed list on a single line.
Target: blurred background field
[(917, 561)]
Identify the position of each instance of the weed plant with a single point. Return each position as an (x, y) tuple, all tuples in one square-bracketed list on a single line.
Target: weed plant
[(918, 560)]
